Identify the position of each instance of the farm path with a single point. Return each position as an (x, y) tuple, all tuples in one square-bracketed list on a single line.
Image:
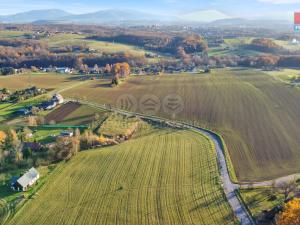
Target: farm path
[(228, 186), (79, 83), (277, 182)]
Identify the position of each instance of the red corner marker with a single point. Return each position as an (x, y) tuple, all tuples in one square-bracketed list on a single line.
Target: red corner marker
[(297, 18)]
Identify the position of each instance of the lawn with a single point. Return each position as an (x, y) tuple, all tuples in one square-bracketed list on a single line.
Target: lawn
[(7, 110), (257, 116), (166, 177), (45, 135)]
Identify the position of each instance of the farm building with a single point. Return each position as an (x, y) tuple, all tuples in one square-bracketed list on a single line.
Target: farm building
[(67, 134), (24, 182), (58, 98), (63, 70)]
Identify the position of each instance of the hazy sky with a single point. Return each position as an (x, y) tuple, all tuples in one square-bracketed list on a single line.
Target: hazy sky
[(235, 8)]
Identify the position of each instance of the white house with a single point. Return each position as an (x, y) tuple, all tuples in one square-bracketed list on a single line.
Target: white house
[(295, 41), (27, 180), (67, 134), (63, 70), (58, 98)]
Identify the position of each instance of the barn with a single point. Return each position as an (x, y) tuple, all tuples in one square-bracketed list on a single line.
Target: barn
[(27, 180)]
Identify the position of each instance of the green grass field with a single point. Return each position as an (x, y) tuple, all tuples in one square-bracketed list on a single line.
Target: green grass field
[(261, 199), (116, 125), (11, 34), (257, 115), (233, 47), (285, 74), (287, 45), (165, 177), (7, 110)]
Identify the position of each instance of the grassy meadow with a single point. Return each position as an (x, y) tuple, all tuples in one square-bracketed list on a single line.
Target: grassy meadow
[(257, 115), (261, 199), (165, 177)]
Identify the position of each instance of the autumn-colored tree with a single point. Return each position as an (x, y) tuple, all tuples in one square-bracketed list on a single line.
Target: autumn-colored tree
[(125, 69), (102, 139), (2, 136), (75, 145), (290, 214), (121, 69), (116, 69), (13, 138), (107, 68)]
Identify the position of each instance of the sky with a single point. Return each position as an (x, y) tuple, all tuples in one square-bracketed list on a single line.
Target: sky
[(272, 9)]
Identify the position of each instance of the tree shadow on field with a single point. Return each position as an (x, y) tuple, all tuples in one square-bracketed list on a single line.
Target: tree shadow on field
[(205, 203), (89, 118), (75, 78), (105, 85)]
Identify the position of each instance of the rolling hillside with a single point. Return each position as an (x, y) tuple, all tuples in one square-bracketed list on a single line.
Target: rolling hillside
[(165, 177), (257, 115)]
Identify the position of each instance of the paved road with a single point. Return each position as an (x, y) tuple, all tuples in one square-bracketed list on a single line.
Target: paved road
[(277, 182), (229, 187)]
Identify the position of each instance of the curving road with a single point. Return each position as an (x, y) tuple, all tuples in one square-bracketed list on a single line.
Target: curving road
[(228, 186)]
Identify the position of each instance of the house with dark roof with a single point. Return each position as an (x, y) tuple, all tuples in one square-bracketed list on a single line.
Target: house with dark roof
[(34, 146), (26, 181)]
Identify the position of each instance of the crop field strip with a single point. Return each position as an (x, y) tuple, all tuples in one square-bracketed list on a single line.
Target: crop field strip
[(40, 80), (73, 113), (167, 177), (257, 115), (59, 114)]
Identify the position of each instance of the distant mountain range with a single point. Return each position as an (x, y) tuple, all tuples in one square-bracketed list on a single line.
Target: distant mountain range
[(214, 17), (34, 15)]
